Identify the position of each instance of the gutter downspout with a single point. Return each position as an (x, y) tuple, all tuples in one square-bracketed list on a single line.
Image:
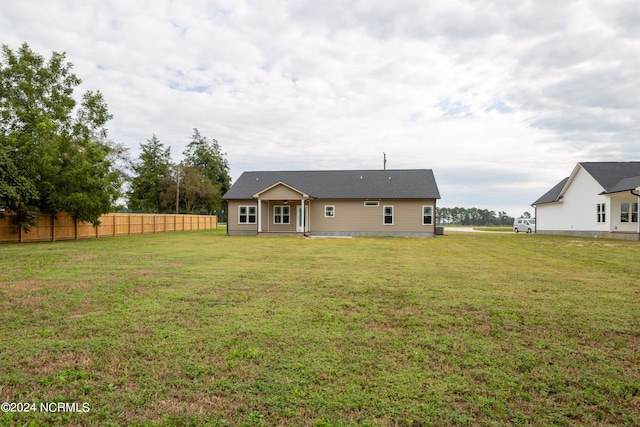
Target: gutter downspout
[(638, 195)]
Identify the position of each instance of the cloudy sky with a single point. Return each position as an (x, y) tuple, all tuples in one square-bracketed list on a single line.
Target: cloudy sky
[(501, 98)]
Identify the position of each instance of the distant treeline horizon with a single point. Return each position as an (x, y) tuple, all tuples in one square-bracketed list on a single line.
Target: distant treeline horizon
[(472, 216)]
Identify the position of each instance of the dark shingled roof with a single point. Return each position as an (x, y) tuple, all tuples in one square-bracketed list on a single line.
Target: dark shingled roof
[(342, 184), (614, 176), (626, 184), (551, 195)]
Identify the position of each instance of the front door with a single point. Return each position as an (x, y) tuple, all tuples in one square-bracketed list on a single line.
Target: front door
[(300, 224)]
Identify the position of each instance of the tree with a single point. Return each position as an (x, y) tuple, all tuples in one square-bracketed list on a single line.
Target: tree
[(56, 152), (207, 155), (17, 193), (196, 189), (150, 185)]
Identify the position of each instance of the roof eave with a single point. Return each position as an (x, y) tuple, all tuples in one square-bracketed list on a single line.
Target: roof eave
[(534, 204)]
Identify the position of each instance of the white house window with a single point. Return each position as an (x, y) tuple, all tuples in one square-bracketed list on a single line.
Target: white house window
[(634, 212), (371, 204), (601, 212), (329, 211), (624, 212), (427, 215), (281, 214), (387, 215), (246, 214)]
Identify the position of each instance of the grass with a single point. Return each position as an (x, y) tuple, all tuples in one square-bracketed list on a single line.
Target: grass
[(199, 328)]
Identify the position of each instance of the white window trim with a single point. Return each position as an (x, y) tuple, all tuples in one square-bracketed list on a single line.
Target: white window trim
[(423, 215), (384, 215), (371, 204), (627, 212), (332, 209), (601, 210), (282, 215), (248, 214)]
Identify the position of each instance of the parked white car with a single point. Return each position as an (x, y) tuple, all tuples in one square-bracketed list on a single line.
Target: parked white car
[(524, 224)]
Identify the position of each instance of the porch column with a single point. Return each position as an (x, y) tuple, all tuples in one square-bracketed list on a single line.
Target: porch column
[(302, 214), (259, 215)]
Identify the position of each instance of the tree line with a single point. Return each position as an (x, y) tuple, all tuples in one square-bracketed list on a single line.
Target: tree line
[(56, 156), (472, 216)]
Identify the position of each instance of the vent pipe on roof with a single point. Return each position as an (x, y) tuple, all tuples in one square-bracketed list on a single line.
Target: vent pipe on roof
[(385, 161)]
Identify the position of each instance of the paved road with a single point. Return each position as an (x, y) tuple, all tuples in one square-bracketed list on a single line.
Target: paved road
[(464, 229), (470, 230)]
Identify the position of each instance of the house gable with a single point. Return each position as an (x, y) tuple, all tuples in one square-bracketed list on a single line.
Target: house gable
[(579, 198), (280, 191)]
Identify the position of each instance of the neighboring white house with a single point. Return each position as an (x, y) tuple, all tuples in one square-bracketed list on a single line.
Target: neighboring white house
[(598, 199)]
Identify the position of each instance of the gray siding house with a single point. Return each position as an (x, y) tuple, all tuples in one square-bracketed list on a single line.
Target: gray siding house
[(334, 203)]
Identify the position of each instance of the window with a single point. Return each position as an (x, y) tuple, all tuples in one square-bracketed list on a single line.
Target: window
[(246, 214), (387, 215), (601, 212), (281, 214), (370, 204), (427, 215), (329, 211), (624, 212), (634, 212)]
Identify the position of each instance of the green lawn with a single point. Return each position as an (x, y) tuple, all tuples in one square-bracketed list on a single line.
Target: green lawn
[(199, 328)]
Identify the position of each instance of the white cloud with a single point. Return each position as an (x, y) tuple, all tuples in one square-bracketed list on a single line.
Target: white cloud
[(499, 98)]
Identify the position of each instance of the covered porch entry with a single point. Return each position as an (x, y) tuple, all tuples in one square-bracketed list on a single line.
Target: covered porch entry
[(624, 221), (282, 209)]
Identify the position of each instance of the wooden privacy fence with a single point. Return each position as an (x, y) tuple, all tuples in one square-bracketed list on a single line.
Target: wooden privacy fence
[(65, 227)]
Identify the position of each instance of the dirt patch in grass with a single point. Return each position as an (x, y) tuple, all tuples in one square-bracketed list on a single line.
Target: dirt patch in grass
[(25, 286), (48, 362), (82, 257)]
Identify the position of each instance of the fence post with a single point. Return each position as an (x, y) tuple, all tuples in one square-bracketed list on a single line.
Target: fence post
[(53, 228), (114, 225), (75, 227)]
